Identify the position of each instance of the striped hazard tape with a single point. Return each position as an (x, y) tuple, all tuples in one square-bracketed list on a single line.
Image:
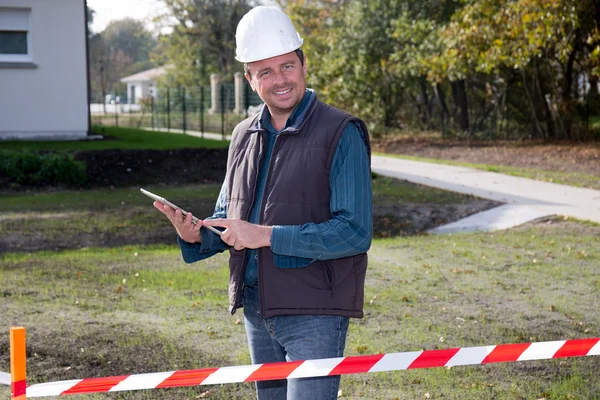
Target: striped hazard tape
[(324, 367), (4, 378)]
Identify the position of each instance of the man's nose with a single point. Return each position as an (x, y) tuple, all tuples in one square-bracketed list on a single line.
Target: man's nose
[(278, 78)]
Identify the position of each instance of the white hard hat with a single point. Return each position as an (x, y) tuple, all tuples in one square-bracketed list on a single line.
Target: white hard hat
[(265, 32)]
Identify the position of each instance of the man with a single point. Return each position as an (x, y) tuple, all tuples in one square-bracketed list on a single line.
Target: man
[(296, 205)]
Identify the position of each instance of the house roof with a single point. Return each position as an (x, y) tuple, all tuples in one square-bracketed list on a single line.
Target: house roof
[(148, 75)]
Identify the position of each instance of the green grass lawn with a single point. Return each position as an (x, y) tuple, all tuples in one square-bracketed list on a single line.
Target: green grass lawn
[(384, 189), (565, 178), (125, 138), (132, 308), (76, 218), (136, 309), (102, 199)]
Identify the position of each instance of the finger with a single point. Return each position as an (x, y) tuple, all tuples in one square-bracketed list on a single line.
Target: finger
[(222, 222), (226, 237), (168, 211), (179, 216), (238, 246), (160, 207)]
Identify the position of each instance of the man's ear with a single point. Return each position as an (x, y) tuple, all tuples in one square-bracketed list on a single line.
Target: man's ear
[(249, 79)]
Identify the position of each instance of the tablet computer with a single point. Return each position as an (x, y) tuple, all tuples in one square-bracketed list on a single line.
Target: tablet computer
[(173, 206)]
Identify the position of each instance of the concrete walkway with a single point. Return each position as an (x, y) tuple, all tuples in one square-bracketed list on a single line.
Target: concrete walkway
[(525, 199)]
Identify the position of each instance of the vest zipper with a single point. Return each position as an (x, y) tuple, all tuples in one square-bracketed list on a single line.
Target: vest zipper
[(243, 274), (261, 303)]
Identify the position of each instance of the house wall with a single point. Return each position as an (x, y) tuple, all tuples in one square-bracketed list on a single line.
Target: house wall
[(142, 90), (47, 97)]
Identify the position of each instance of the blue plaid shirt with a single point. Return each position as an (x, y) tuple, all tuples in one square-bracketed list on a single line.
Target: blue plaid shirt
[(348, 233)]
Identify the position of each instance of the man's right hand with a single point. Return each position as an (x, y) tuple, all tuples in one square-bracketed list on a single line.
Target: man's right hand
[(187, 230)]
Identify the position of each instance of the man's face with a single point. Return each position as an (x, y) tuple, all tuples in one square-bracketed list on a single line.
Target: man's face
[(279, 81)]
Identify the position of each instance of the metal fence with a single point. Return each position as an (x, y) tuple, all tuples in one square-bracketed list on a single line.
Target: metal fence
[(178, 109)]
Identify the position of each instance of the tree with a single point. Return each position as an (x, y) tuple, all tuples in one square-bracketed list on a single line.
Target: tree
[(540, 46), (106, 67), (364, 56), (90, 13), (511, 68), (121, 49), (130, 36), (203, 39)]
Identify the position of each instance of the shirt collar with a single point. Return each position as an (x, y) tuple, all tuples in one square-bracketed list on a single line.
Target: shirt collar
[(263, 122)]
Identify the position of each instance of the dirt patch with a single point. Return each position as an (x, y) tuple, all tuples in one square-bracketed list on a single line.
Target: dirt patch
[(141, 167), (143, 225), (405, 219), (130, 226), (564, 157)]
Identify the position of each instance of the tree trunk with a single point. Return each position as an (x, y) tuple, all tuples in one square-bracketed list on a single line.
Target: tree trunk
[(567, 101), (536, 122), (419, 108), (426, 102), (460, 99), (503, 114), (551, 130), (441, 96)]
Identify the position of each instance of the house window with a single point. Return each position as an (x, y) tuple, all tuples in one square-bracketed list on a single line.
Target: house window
[(13, 42), (15, 35)]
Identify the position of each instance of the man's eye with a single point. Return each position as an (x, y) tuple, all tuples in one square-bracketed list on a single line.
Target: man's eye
[(264, 73), (288, 66)]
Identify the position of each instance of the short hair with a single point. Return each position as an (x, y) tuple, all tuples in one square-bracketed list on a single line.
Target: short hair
[(298, 52)]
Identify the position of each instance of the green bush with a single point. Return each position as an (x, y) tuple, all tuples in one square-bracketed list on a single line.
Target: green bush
[(42, 169)]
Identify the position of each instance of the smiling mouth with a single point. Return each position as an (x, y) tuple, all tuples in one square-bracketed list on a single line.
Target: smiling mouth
[(283, 91)]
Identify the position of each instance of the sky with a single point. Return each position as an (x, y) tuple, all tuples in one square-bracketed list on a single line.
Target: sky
[(110, 10), (144, 10)]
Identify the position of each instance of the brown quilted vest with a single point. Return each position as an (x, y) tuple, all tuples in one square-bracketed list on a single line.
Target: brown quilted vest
[(296, 192)]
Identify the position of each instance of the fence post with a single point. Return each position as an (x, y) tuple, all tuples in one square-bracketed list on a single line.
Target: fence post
[(222, 90), (152, 110), (168, 110), (239, 93), (246, 98), (215, 94), (116, 113), (18, 366), (183, 109), (129, 104), (202, 111)]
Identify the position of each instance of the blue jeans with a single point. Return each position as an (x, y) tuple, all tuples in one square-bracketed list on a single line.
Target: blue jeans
[(293, 338)]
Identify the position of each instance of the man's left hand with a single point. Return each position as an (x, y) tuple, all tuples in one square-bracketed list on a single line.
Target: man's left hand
[(241, 234)]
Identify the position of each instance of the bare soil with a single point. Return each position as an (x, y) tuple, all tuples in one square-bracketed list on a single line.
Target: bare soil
[(127, 168), (120, 168)]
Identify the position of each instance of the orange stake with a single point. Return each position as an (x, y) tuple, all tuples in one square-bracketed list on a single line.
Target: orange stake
[(18, 369)]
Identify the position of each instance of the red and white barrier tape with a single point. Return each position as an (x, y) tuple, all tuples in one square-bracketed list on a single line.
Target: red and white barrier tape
[(4, 378), (324, 367)]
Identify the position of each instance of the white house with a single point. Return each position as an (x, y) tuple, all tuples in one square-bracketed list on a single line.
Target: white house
[(43, 69), (139, 85)]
